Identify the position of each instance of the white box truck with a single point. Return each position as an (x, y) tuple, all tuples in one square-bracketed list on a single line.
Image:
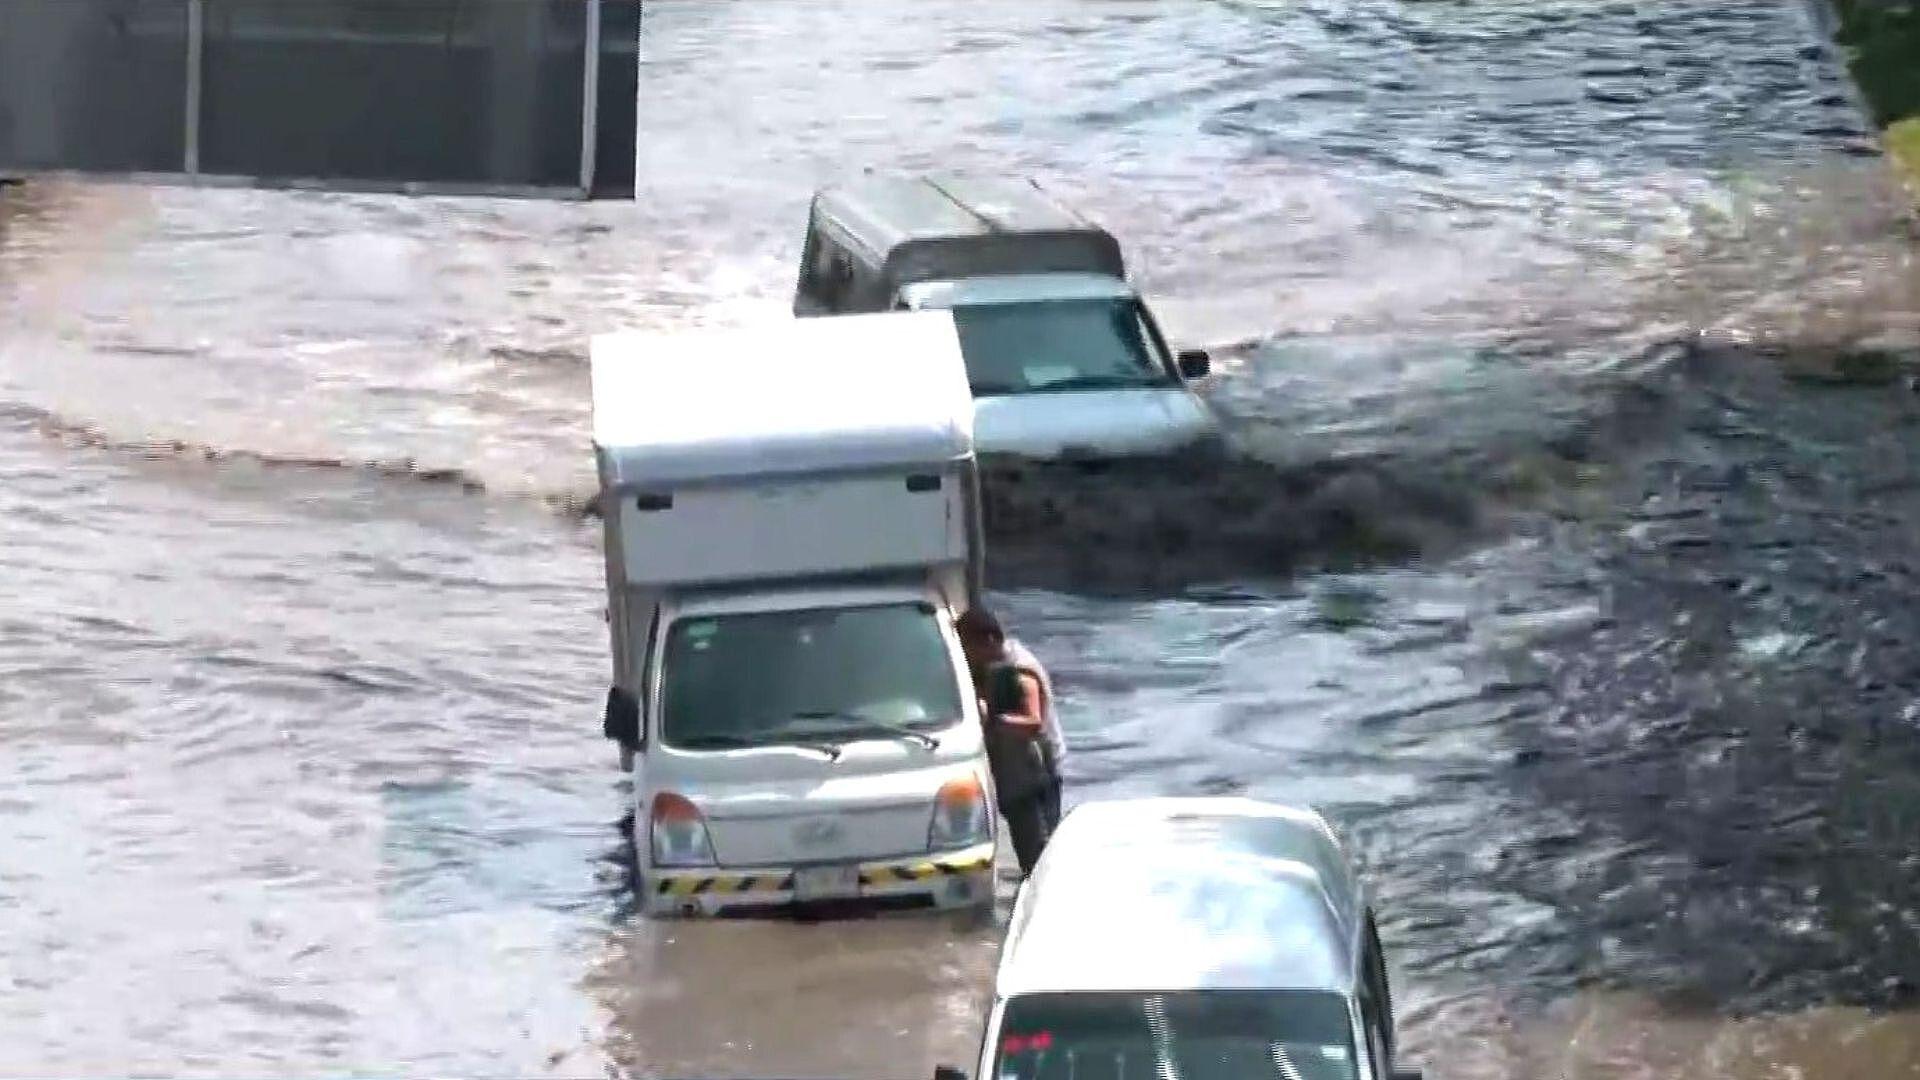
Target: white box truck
[(792, 522)]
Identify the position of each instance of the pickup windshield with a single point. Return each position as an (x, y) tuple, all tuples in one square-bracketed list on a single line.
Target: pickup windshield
[(1041, 345), (1189, 1035), (806, 677)]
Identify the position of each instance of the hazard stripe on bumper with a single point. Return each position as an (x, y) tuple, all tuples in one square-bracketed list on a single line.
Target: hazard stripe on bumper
[(723, 884), (871, 875), (921, 871)]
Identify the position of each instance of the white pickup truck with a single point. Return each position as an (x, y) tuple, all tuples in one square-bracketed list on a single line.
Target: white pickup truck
[(1064, 357), (791, 519)]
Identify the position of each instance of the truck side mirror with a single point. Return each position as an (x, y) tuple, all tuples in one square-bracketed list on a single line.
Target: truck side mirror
[(622, 720), (1195, 364), (948, 1072)]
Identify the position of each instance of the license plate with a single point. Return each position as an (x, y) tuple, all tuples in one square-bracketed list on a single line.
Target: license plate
[(826, 883)]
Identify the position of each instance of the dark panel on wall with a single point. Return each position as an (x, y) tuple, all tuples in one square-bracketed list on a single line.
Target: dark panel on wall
[(619, 98), (96, 85), (442, 91), (484, 95)]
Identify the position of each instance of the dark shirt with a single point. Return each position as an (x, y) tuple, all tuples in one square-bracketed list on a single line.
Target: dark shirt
[(1022, 765)]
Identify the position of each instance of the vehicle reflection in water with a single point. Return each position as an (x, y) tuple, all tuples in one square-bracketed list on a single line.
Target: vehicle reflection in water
[(881, 998)]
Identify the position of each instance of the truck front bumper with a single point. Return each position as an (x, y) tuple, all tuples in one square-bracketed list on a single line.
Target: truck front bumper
[(954, 879)]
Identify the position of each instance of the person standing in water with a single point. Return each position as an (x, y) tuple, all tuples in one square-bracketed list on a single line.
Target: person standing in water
[(1025, 745)]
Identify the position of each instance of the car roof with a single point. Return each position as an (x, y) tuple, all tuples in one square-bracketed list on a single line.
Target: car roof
[(1186, 893), (1017, 288)]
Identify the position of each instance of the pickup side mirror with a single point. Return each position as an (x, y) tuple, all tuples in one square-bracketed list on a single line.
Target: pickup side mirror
[(1195, 364), (948, 1072)]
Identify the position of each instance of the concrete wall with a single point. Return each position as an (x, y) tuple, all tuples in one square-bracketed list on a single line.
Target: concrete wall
[(452, 93), (97, 85)]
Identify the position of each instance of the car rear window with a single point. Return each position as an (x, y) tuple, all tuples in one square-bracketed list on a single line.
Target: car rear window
[(1188, 1035)]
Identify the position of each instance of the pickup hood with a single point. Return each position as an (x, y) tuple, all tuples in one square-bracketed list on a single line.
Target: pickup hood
[(1106, 422)]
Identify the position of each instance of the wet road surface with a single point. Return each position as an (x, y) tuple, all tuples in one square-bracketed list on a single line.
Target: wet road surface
[(1550, 569)]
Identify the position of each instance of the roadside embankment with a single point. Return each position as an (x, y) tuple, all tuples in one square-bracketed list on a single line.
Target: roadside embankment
[(1882, 39)]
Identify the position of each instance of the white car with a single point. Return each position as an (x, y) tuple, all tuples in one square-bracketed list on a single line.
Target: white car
[(1215, 937)]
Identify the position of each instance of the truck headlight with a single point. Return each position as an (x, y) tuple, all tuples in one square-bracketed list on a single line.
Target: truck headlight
[(677, 834), (961, 816)]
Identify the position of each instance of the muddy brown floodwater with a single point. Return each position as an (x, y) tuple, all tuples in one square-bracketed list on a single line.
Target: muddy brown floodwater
[(1549, 566)]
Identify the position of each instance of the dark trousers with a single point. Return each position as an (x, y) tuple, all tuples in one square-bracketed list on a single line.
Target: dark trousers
[(1031, 821)]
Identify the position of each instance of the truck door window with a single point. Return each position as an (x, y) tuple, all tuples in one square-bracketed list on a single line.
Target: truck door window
[(836, 275), (1374, 1026), (807, 290), (1158, 342), (1376, 977), (828, 271), (646, 680)]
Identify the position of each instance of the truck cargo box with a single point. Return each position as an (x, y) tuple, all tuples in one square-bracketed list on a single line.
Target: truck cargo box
[(798, 449)]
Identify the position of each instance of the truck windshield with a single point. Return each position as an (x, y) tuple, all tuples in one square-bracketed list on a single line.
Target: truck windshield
[(1041, 345), (1188, 1035), (807, 676)]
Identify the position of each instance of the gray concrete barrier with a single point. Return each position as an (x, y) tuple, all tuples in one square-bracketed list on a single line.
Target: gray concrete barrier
[(527, 96)]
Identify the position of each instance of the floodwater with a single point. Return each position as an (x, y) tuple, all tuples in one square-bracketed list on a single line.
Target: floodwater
[(1568, 564)]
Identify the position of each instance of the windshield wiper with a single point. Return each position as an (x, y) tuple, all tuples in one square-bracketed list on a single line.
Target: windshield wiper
[(736, 742), (864, 726), (1102, 382), (714, 742)]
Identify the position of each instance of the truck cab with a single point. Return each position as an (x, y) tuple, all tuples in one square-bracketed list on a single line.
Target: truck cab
[(1064, 358), (786, 555)]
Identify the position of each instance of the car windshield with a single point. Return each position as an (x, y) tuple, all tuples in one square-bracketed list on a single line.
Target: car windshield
[(1189, 1035), (1041, 345), (806, 676)]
